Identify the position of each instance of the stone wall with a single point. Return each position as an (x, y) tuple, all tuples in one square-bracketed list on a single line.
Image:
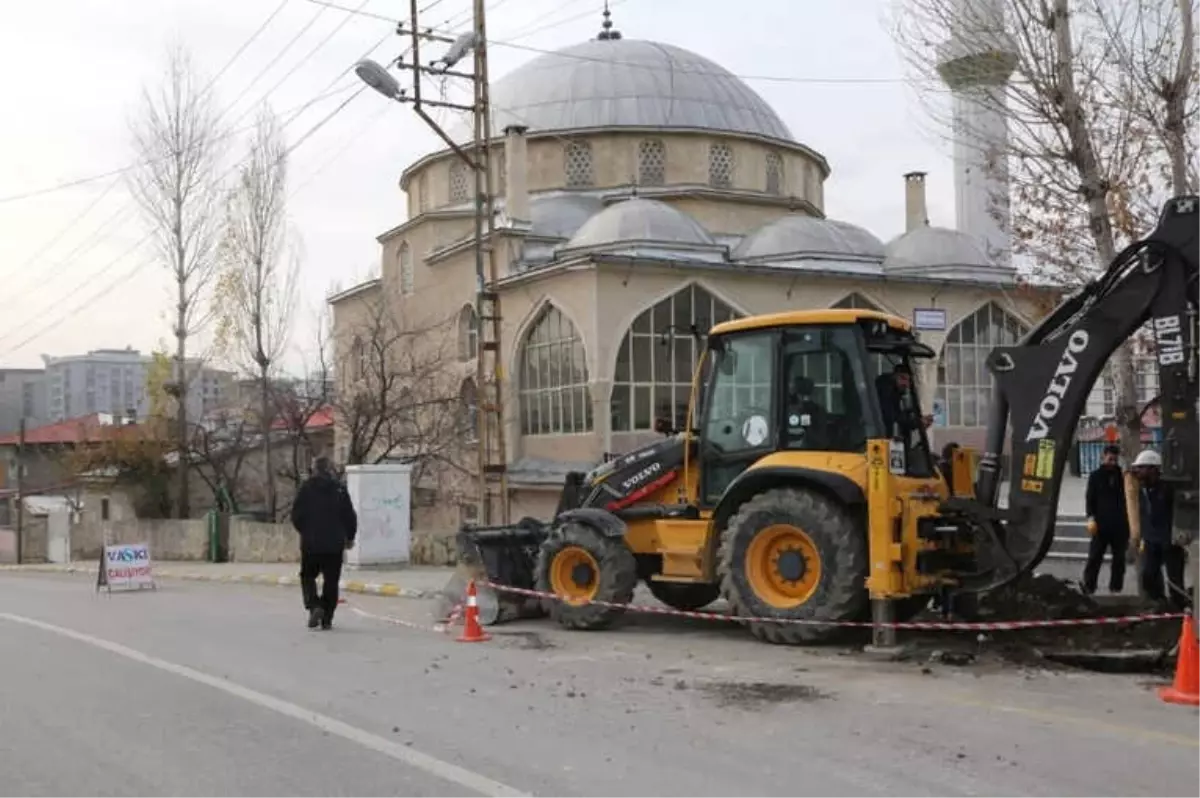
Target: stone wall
[(251, 541), (33, 540), (169, 538)]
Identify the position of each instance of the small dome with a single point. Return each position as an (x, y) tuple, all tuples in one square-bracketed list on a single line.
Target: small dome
[(797, 234), (627, 83), (640, 220), (560, 215), (934, 247)]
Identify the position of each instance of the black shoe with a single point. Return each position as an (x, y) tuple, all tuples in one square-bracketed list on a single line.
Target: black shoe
[(316, 617), (326, 624)]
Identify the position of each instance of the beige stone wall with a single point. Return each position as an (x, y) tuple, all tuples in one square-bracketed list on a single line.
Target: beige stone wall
[(169, 539), (251, 541)]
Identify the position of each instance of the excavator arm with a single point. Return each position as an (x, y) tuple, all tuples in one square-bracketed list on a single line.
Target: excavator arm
[(1042, 385)]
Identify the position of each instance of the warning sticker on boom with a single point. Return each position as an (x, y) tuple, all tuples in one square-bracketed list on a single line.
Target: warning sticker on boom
[(1045, 459)]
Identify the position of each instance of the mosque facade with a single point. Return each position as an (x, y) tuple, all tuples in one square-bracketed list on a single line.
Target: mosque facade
[(642, 188)]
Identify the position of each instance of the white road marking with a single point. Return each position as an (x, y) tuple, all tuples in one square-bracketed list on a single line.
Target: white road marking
[(432, 765)]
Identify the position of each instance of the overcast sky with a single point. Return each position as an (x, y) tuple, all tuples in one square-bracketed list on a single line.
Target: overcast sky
[(74, 70)]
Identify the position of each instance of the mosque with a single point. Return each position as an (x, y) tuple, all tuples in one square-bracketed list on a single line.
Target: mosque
[(642, 187)]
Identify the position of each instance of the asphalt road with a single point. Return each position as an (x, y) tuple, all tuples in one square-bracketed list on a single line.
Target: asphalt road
[(215, 690)]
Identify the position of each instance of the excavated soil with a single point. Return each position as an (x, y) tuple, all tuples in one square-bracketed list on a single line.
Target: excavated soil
[(1045, 597)]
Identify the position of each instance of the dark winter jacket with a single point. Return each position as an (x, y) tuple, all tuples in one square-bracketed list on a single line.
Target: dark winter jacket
[(1156, 506), (324, 516), (1105, 500)]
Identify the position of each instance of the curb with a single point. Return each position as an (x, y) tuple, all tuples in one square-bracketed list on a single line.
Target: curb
[(389, 589)]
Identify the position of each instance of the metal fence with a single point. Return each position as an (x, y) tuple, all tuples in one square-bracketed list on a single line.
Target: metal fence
[(1090, 452)]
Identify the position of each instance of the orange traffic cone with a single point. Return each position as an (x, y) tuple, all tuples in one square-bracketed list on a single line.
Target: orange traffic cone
[(1186, 689), (472, 632)]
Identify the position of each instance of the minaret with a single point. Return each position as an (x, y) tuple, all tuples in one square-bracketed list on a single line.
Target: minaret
[(976, 63)]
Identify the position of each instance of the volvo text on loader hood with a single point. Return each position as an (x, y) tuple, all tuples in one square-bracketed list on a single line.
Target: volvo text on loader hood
[(802, 487)]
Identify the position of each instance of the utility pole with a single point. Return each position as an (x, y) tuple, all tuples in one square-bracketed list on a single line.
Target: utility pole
[(492, 465), (20, 489)]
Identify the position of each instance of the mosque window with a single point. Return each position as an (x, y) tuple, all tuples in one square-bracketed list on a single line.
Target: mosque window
[(554, 395), (358, 358), (720, 165), (657, 356), (459, 190), (577, 163), (468, 333), (964, 384), (423, 192), (468, 408), (404, 258), (652, 162), (774, 173)]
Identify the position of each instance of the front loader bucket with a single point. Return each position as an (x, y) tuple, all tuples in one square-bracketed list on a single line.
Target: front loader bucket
[(503, 555)]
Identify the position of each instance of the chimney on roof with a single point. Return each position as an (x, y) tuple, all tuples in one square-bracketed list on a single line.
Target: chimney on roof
[(916, 214), (516, 191)]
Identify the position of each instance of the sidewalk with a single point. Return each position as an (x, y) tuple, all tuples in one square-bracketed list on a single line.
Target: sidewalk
[(414, 582)]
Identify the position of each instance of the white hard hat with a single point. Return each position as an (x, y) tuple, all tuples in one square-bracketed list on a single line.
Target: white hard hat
[(1148, 457)]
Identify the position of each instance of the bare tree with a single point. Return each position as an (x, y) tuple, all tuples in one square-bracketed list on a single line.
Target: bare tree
[(1082, 151), (256, 291), (402, 395), (176, 184)]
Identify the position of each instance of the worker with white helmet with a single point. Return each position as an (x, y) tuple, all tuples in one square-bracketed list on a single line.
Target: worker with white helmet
[(1156, 500)]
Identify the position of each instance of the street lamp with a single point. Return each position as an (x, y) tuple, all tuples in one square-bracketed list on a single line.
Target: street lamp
[(379, 79)]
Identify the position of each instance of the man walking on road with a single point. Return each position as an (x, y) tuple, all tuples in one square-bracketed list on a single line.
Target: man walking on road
[(1108, 522), (327, 523)]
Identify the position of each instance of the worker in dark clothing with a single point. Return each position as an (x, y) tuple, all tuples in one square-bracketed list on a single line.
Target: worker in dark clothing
[(807, 423), (1108, 522), (946, 463), (1158, 551), (897, 405), (327, 523)]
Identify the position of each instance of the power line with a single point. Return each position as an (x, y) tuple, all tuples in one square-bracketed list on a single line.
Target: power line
[(642, 65), (238, 53), (76, 219)]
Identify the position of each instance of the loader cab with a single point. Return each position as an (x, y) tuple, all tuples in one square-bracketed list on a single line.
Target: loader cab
[(810, 383)]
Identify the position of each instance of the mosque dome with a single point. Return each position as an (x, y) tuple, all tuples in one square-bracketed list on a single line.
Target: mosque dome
[(935, 248), (611, 82), (640, 220), (800, 235)]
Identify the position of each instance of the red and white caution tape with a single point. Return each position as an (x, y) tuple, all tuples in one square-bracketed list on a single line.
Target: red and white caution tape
[(991, 626), (439, 628)]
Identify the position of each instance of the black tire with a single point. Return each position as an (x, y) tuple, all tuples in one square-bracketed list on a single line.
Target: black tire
[(839, 595), (685, 596), (616, 577)]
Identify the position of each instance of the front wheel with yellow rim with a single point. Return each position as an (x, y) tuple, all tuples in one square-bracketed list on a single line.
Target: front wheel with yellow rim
[(588, 570), (792, 554)]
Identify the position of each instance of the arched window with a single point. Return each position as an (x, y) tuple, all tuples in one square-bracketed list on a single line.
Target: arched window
[(554, 378), (720, 165), (653, 377), (652, 162), (468, 409), (499, 172), (775, 183), (459, 182), (964, 384), (468, 333), (404, 257), (577, 164)]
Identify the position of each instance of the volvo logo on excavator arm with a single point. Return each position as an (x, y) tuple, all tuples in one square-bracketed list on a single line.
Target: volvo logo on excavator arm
[(1051, 403)]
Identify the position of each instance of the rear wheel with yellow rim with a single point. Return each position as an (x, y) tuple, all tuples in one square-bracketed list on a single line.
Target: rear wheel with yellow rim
[(582, 565), (793, 555)]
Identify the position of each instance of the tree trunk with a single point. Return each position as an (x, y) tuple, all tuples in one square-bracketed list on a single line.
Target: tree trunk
[(181, 334), (1095, 193), (268, 467), (1176, 101)]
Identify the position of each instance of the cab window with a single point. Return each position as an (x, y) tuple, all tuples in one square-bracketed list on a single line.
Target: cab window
[(826, 406)]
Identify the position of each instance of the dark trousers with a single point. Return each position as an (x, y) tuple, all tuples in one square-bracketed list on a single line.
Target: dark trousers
[(1156, 557), (329, 566), (1106, 540)]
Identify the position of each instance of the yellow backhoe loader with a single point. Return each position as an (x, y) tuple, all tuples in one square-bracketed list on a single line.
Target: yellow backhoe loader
[(802, 486)]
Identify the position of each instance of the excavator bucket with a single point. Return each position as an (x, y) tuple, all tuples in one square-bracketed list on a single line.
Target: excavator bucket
[(502, 555)]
